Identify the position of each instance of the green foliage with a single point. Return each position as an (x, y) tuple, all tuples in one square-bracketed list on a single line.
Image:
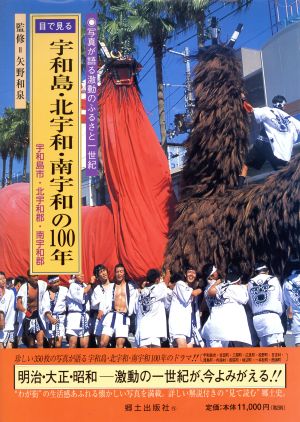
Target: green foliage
[(120, 21), (115, 27), (14, 136)]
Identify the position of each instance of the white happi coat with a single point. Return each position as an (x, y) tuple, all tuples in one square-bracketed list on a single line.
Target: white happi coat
[(78, 303), (282, 130), (266, 302), (7, 306), (42, 287), (180, 316), (150, 313), (98, 303), (98, 298), (168, 299), (130, 301), (291, 297), (131, 297), (60, 306), (227, 320)]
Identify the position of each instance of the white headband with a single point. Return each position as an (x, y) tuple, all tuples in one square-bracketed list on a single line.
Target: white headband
[(213, 270), (263, 267), (279, 104), (53, 280), (234, 281)]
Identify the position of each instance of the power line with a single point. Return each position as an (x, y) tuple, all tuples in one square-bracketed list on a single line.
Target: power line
[(235, 10), (169, 96), (189, 38), (148, 60), (187, 27), (145, 55), (143, 77), (180, 99), (257, 35), (226, 16)]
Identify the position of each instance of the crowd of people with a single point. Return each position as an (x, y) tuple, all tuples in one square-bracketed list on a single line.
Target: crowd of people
[(179, 310)]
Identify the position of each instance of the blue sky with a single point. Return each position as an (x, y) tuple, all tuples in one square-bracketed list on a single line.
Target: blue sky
[(257, 30)]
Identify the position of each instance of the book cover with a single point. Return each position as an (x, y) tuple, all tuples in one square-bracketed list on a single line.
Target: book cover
[(55, 225)]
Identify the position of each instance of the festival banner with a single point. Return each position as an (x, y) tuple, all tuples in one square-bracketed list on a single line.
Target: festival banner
[(55, 144)]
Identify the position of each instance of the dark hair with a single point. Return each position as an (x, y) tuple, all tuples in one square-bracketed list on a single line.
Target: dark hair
[(152, 275), (29, 272), (9, 281), (2, 273), (206, 270), (52, 277), (98, 268), (189, 267), (233, 274), (120, 265), (20, 279), (176, 277), (260, 265), (291, 265), (278, 99)]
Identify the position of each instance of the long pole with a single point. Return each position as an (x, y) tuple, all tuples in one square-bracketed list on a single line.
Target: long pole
[(189, 97)]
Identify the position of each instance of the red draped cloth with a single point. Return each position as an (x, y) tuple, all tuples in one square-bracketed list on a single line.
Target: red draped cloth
[(134, 230), (138, 179), (14, 230), (98, 243)]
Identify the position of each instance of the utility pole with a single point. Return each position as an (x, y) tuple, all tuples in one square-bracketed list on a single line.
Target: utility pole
[(189, 97), (182, 121)]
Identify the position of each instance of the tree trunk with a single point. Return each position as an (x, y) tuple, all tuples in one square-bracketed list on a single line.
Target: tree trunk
[(160, 95), (25, 153), (3, 170), (10, 167)]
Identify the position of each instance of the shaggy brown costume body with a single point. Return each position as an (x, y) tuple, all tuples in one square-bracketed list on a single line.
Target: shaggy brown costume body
[(215, 222), (218, 142)]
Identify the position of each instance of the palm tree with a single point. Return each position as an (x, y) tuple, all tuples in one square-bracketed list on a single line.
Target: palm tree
[(157, 20), (154, 19), (20, 131), (3, 149), (115, 28), (12, 138)]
